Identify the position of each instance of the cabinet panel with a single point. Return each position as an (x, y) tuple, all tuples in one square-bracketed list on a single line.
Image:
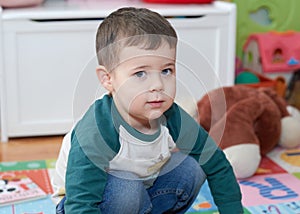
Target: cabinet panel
[(42, 66), (202, 54)]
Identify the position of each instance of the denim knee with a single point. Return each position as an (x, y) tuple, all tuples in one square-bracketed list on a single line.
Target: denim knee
[(125, 196), (60, 206), (196, 171), (178, 185), (191, 176), (185, 167)]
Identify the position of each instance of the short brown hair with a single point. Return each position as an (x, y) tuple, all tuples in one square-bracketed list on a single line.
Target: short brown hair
[(138, 26)]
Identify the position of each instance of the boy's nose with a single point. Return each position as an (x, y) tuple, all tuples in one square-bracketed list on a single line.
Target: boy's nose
[(156, 83)]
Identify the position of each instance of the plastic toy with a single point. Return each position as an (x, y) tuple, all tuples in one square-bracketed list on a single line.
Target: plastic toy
[(257, 80), (246, 77), (272, 52), (19, 3), (180, 1), (264, 16), (293, 90)]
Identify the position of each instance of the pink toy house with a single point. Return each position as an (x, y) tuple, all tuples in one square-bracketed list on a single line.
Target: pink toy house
[(272, 52)]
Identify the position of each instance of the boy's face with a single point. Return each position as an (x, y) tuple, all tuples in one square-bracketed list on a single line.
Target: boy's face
[(143, 84)]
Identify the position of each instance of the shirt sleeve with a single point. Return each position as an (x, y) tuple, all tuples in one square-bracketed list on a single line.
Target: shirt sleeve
[(192, 139), (58, 178), (222, 182), (93, 141), (85, 182)]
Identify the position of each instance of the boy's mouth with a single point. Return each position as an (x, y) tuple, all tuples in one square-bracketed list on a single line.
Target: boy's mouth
[(156, 103)]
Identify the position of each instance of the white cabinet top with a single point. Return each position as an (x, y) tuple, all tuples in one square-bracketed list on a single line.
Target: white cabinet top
[(76, 9)]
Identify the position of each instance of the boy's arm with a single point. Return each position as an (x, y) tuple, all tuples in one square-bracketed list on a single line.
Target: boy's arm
[(58, 179), (222, 182), (94, 142), (85, 182), (221, 179), (192, 139)]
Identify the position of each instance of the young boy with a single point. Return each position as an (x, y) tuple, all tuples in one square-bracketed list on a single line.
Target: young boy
[(135, 150)]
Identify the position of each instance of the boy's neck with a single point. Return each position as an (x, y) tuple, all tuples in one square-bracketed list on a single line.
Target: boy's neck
[(149, 128), (146, 127)]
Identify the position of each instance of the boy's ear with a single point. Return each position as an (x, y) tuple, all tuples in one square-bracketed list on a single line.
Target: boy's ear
[(104, 77)]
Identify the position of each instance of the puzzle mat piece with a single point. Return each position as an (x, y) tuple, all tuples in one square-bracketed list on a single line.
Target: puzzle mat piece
[(268, 166), (204, 201), (213, 212), (297, 175), (50, 163), (270, 189), (39, 176), (27, 165), (42, 206), (287, 159), (24, 165), (282, 208)]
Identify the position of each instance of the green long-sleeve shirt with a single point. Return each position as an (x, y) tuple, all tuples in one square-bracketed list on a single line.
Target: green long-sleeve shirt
[(95, 142)]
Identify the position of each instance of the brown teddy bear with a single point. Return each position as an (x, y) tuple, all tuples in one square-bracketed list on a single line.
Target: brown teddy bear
[(247, 123)]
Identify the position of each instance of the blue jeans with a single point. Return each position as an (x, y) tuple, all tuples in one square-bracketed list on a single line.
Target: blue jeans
[(174, 190)]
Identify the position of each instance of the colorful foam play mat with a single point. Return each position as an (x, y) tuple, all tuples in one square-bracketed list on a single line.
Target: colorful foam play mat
[(274, 189)]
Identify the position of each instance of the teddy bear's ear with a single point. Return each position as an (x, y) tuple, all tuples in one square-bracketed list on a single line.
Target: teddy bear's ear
[(278, 100)]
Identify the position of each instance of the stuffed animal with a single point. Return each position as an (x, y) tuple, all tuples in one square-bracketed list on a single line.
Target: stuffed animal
[(247, 123)]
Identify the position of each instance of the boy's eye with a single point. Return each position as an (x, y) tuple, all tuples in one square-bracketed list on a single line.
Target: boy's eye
[(140, 74), (167, 71)]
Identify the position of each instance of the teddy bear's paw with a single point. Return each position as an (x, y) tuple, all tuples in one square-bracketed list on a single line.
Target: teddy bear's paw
[(244, 158), (290, 134), (294, 112)]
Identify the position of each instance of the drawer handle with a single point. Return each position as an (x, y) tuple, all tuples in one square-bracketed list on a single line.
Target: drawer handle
[(100, 19), (67, 20), (185, 17)]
